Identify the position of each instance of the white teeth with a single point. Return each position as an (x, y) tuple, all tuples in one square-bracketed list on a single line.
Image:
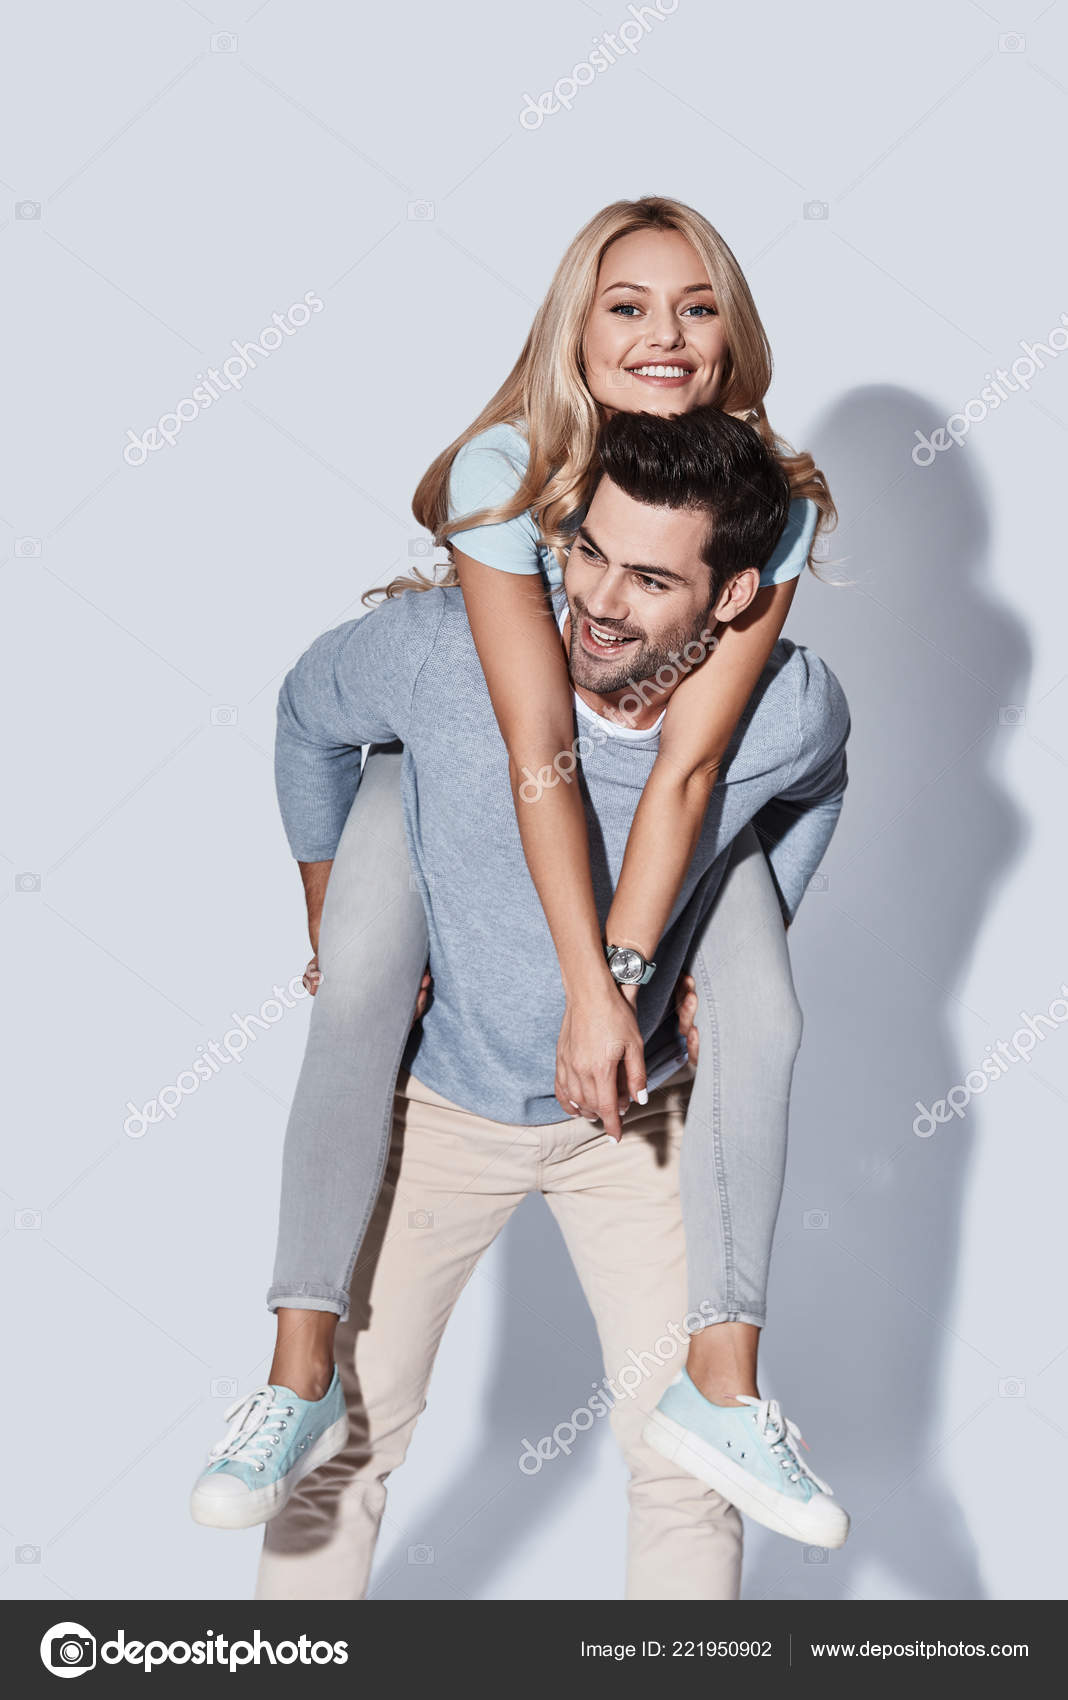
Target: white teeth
[(606, 637), (662, 371)]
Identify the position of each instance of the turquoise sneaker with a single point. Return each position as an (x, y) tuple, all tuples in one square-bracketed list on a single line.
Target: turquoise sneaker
[(748, 1453), (273, 1442)]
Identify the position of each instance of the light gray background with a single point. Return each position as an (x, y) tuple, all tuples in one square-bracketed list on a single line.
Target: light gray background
[(186, 194)]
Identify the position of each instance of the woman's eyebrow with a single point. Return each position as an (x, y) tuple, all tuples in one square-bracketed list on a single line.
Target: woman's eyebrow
[(643, 289)]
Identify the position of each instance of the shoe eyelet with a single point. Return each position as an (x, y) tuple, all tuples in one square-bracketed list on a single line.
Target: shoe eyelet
[(260, 1466)]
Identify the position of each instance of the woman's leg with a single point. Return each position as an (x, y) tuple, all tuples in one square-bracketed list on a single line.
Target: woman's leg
[(372, 953), (734, 1147)]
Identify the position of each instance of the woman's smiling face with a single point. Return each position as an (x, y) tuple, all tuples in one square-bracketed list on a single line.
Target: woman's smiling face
[(654, 340)]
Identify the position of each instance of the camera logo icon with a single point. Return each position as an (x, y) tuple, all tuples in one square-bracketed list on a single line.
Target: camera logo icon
[(68, 1649), (27, 548), (420, 1555), (27, 881), (420, 210), (27, 209), (1010, 1388), (224, 714), (420, 1218), (1012, 714), (224, 42), (224, 1387), (1012, 43), (814, 1555), (817, 210), (816, 1219), (419, 548)]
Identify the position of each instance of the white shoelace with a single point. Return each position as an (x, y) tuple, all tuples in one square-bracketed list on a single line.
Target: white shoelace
[(782, 1437), (255, 1429)]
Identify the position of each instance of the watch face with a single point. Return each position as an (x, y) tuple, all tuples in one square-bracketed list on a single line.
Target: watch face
[(627, 967)]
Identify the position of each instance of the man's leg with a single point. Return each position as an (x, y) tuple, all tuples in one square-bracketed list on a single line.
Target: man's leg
[(430, 1227), (618, 1208)]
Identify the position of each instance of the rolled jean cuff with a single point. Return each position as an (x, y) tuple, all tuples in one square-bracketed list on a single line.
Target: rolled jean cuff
[(757, 1319), (306, 1296)]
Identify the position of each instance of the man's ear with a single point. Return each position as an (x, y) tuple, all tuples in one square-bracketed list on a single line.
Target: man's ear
[(737, 594)]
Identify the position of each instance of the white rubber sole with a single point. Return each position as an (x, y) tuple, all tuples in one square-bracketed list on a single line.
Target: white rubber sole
[(259, 1505), (828, 1527)]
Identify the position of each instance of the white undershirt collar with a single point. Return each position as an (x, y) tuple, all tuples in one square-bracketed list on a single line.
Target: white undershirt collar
[(614, 728)]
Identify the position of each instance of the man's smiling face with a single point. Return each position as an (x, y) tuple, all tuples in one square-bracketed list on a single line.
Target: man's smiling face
[(638, 594)]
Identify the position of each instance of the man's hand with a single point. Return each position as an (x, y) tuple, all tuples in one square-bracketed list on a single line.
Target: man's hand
[(313, 979), (686, 1010), (600, 1059)]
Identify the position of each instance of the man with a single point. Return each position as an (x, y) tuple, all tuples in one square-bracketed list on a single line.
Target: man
[(477, 1126)]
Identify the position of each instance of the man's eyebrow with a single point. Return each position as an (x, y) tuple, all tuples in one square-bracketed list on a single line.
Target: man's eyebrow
[(633, 566), (643, 289)]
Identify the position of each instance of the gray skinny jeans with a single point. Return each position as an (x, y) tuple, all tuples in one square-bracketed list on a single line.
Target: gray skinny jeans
[(372, 952)]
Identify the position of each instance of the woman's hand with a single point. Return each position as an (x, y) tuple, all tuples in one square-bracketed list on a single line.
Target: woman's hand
[(312, 978), (600, 1058)]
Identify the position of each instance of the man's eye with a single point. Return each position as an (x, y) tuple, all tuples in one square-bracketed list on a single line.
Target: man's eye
[(649, 583), (590, 554)]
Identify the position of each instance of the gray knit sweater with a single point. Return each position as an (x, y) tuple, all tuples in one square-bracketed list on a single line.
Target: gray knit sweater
[(409, 670)]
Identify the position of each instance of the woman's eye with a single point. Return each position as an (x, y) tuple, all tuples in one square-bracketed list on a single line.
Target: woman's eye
[(627, 307), (702, 307)]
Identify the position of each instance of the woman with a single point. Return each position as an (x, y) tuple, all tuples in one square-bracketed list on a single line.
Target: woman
[(648, 311)]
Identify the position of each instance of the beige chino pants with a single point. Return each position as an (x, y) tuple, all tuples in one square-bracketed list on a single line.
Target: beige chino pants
[(618, 1209)]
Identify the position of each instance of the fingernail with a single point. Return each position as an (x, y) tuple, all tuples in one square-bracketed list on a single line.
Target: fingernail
[(643, 1096)]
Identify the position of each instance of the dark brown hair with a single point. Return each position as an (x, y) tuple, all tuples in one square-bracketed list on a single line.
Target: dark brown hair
[(708, 462)]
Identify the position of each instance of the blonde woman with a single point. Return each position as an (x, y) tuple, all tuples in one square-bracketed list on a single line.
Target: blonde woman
[(648, 312)]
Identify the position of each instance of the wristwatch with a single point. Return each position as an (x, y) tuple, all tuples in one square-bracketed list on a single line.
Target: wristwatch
[(628, 967)]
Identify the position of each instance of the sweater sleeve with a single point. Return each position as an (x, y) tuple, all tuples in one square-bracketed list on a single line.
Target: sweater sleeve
[(796, 826), (352, 687)]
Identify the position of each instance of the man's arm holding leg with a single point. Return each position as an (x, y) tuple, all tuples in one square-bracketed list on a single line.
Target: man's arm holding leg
[(796, 826), (353, 686)]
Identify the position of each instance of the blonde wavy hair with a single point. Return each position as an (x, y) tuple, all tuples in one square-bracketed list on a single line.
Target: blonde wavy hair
[(546, 394)]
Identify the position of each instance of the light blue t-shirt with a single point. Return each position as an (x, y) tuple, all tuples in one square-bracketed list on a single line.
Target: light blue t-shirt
[(490, 468)]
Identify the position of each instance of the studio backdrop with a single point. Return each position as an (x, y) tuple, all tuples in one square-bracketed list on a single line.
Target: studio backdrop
[(396, 184)]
